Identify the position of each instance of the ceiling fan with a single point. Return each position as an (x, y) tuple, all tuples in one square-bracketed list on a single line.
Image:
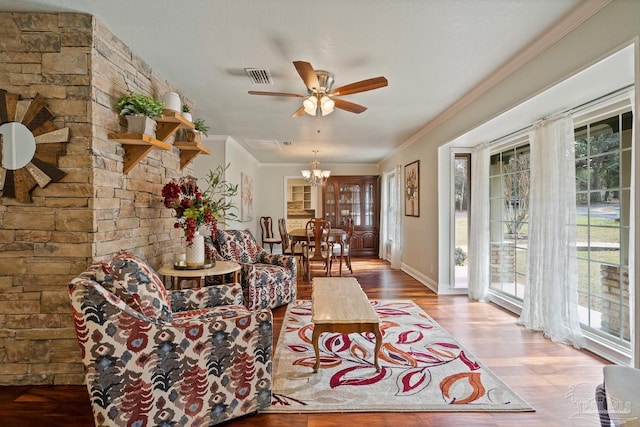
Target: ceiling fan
[(320, 96)]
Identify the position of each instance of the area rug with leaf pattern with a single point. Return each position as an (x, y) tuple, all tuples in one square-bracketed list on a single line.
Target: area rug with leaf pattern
[(423, 368)]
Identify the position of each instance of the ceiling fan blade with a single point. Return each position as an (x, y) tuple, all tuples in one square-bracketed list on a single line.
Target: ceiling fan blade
[(361, 86), (299, 112), (292, 95), (349, 106), (308, 75)]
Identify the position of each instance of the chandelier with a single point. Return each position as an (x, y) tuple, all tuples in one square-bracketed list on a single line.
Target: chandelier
[(315, 176)]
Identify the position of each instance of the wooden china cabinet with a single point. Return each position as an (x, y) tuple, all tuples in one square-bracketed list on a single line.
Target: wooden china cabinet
[(357, 197)]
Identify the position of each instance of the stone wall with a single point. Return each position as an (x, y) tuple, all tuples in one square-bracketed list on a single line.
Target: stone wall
[(81, 69), (128, 210)]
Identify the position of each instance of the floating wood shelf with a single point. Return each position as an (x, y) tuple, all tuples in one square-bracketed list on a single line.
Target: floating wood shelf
[(189, 150), (169, 123), (136, 147)]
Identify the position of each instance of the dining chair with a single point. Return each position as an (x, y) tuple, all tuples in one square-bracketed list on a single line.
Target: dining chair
[(345, 248), (317, 247), (266, 224), (286, 240)]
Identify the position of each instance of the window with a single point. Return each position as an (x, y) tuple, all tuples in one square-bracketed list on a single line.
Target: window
[(509, 199), (603, 194), (603, 161), (461, 212)]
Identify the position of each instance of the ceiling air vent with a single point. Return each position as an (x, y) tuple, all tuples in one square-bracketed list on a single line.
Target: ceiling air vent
[(263, 144), (259, 76)]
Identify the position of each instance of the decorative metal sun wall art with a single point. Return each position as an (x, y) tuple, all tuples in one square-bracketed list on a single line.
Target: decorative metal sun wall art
[(29, 146)]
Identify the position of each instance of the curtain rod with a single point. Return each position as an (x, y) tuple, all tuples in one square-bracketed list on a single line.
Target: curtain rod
[(578, 109)]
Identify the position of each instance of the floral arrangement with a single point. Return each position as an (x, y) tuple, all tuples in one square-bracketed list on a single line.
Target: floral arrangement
[(195, 208)]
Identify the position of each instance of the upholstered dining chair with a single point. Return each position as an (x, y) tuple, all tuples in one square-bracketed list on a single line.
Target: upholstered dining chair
[(317, 246), (268, 238), (345, 248), (268, 280)]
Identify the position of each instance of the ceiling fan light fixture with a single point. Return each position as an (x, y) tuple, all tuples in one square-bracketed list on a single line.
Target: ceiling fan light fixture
[(310, 105), (320, 91), (326, 105)]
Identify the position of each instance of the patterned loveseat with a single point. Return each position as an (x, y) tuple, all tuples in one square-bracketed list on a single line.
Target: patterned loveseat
[(268, 280), (186, 358)]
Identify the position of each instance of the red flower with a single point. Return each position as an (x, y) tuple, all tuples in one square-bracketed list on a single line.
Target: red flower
[(186, 199), (195, 208)]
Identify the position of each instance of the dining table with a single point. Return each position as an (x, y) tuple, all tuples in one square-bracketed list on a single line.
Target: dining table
[(336, 235)]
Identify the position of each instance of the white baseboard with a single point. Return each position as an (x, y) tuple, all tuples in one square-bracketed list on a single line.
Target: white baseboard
[(425, 280)]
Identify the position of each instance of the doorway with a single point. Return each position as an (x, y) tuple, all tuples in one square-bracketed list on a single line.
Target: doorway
[(390, 217), (301, 202), (461, 199)]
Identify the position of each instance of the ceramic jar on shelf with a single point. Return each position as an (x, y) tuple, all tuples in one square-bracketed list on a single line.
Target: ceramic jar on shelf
[(172, 102)]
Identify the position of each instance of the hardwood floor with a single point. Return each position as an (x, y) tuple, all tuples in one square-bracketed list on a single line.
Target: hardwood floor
[(557, 380)]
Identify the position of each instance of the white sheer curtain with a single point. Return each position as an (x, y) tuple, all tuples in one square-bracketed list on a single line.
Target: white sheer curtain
[(396, 219), (551, 291), (479, 237)]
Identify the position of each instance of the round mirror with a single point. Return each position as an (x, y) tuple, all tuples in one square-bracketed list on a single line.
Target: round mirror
[(18, 145)]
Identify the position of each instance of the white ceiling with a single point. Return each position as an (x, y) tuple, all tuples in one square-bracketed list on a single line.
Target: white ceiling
[(431, 51)]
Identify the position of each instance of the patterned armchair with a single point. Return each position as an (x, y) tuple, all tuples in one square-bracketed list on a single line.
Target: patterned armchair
[(190, 357), (268, 280)]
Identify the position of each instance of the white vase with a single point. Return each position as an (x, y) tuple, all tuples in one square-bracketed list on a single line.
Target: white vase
[(187, 116), (172, 102), (195, 251)]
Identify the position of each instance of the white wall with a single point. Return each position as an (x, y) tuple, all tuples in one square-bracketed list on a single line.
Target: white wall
[(227, 151), (240, 161), (204, 163), (614, 26), (420, 234)]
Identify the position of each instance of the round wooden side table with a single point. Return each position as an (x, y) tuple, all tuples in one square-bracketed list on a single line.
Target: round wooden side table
[(221, 268)]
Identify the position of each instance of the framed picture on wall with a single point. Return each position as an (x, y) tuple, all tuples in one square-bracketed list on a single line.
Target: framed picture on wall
[(246, 197), (412, 189)]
